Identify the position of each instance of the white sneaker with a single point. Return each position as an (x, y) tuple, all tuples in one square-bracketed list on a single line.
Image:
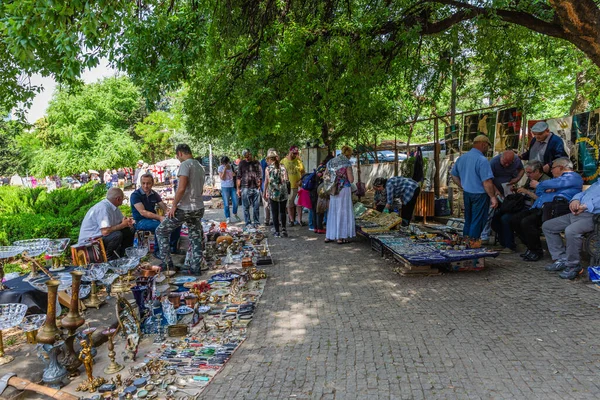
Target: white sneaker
[(228, 220)]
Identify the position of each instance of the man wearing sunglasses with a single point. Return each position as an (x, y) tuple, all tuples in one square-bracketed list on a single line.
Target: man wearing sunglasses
[(544, 147)]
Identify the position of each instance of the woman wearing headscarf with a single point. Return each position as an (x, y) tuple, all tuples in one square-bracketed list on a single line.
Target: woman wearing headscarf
[(340, 217), (276, 180)]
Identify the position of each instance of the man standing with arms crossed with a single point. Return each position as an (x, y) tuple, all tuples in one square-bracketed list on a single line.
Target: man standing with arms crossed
[(188, 207), (472, 173)]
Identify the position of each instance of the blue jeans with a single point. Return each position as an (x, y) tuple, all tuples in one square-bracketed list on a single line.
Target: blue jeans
[(476, 213), (228, 192), (147, 224), (251, 198)]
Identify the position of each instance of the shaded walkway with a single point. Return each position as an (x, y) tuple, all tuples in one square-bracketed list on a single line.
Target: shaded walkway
[(336, 322)]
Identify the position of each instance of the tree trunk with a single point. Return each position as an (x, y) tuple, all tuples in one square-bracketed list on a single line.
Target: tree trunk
[(580, 102)]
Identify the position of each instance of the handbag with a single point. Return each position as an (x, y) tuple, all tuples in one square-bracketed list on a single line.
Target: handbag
[(555, 208), (513, 203), (330, 184)]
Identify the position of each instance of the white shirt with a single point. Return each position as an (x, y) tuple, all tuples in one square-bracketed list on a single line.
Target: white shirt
[(102, 215)]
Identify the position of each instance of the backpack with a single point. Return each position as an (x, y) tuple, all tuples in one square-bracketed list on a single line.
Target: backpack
[(309, 181)]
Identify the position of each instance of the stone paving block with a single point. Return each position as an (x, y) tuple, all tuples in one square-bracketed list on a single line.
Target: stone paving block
[(336, 321)]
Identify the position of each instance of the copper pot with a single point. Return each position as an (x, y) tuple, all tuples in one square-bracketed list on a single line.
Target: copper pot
[(191, 300), (175, 299), (147, 272)]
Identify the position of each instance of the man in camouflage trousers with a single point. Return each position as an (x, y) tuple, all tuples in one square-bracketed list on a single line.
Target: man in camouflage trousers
[(188, 207)]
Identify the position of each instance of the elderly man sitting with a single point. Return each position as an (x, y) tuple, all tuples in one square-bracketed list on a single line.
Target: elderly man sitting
[(527, 224), (144, 203), (106, 220), (578, 222)]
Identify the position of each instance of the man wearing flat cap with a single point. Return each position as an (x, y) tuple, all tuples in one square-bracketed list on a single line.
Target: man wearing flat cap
[(545, 146), (472, 173)]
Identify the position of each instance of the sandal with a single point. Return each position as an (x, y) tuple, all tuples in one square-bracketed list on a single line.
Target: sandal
[(327, 240), (343, 241)]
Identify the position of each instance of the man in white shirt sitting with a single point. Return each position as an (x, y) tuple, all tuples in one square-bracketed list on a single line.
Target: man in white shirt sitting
[(106, 220)]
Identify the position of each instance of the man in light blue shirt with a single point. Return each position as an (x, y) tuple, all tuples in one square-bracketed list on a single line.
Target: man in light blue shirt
[(578, 222), (472, 173)]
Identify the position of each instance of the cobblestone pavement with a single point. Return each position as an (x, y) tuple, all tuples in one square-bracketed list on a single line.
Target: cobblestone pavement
[(336, 323)]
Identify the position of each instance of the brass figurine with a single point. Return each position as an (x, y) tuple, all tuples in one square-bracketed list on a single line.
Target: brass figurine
[(85, 356)]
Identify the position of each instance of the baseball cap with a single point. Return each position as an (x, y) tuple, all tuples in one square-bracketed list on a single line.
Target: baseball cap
[(539, 127), (140, 162), (482, 138), (294, 149)]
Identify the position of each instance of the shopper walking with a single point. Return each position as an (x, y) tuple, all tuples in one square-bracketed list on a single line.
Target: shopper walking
[(228, 189), (340, 217), (275, 193)]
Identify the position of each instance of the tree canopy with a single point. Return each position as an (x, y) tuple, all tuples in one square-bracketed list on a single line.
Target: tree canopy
[(88, 127), (269, 72)]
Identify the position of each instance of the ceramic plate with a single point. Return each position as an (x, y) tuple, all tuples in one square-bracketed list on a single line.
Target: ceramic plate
[(220, 284), (220, 292), (184, 310), (180, 280), (225, 276), (203, 309)]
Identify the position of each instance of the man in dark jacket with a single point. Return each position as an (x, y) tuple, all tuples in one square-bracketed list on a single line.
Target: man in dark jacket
[(545, 146)]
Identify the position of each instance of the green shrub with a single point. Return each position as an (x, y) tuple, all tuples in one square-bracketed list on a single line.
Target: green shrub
[(34, 213)]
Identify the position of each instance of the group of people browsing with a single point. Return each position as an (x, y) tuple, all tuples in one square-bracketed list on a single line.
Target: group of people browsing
[(552, 200), (275, 182), (106, 221)]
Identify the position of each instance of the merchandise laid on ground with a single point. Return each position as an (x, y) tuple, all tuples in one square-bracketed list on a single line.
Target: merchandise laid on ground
[(173, 337), (421, 249)]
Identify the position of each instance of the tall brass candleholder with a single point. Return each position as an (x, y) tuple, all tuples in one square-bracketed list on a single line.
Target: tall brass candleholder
[(73, 319), (49, 331), (113, 367)]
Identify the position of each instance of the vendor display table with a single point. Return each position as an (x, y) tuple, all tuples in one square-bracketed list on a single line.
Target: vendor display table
[(422, 252), (22, 292)]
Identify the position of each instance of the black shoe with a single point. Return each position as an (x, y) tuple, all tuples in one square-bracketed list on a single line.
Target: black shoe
[(526, 254), (534, 256)]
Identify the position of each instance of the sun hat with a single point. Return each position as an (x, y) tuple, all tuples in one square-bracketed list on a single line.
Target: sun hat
[(272, 154)]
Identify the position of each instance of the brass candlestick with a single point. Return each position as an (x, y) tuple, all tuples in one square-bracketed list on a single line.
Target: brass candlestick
[(73, 319), (49, 331), (113, 367), (94, 300)]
